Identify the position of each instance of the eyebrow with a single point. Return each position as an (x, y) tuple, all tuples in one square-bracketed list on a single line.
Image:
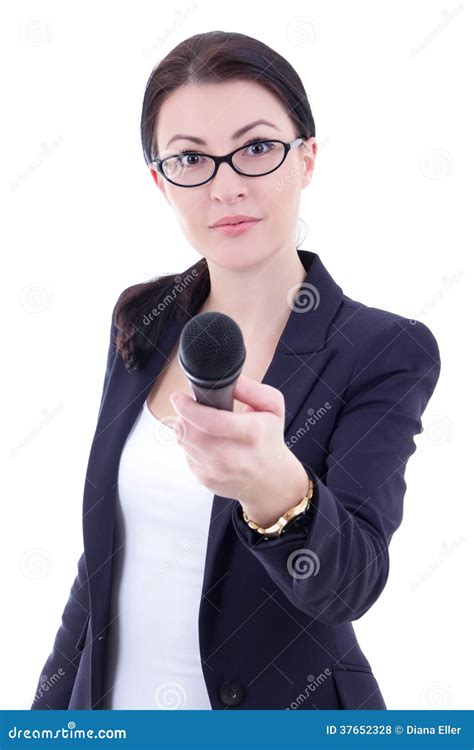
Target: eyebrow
[(238, 133)]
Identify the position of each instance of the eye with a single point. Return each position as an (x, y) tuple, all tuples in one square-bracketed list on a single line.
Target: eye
[(262, 146), (250, 142), (188, 158)]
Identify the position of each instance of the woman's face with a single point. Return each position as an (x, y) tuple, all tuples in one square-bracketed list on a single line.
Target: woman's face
[(213, 113)]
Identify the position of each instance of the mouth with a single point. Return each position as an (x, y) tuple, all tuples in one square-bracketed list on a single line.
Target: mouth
[(237, 228)]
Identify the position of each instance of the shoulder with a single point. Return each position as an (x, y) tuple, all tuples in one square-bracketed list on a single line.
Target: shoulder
[(381, 346), (361, 324)]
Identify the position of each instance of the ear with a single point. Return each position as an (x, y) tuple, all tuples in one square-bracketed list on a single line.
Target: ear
[(159, 181), (310, 149)]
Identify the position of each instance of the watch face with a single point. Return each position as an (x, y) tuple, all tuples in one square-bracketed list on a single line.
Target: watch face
[(301, 521)]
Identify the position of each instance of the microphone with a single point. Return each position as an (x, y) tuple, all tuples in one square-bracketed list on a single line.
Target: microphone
[(211, 354)]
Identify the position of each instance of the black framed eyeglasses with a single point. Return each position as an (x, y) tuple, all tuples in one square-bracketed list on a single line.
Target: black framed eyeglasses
[(191, 168)]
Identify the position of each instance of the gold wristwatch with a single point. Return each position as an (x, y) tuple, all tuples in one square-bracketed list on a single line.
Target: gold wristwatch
[(278, 526)]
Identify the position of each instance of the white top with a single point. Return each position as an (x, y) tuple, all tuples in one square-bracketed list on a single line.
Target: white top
[(162, 519)]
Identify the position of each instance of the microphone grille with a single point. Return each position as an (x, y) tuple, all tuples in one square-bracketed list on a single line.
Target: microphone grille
[(211, 346)]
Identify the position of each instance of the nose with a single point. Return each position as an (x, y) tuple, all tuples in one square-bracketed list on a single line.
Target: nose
[(226, 183)]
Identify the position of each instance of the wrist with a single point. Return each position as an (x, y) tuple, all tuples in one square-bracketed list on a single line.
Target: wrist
[(275, 503)]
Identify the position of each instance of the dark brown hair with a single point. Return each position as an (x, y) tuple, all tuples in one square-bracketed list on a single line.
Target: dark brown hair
[(143, 310)]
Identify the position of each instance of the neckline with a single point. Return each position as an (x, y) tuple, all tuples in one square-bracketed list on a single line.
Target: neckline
[(151, 416)]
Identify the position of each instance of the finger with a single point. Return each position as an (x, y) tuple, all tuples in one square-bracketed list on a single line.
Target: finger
[(259, 396), (218, 422), (198, 456), (188, 434)]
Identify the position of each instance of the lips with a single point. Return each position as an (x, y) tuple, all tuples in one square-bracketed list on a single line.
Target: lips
[(237, 219), (236, 223), (237, 228)]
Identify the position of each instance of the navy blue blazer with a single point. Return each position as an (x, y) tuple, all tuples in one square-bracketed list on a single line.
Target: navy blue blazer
[(275, 617)]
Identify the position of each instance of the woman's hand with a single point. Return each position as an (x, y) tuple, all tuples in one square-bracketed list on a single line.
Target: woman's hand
[(243, 455)]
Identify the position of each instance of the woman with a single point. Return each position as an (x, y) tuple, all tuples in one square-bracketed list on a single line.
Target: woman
[(226, 554)]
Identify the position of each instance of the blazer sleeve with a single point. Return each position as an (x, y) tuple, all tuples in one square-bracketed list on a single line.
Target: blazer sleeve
[(336, 566), (57, 677)]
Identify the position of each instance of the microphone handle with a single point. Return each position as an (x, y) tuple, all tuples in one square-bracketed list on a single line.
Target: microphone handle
[(219, 398)]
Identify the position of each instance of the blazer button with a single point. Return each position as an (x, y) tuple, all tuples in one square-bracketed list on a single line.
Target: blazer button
[(231, 693)]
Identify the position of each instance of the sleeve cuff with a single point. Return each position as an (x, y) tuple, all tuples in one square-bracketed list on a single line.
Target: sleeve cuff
[(296, 529)]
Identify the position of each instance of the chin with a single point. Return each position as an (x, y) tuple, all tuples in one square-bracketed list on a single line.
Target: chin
[(241, 255)]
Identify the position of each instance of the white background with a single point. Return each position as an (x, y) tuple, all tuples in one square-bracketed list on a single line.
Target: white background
[(387, 212)]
